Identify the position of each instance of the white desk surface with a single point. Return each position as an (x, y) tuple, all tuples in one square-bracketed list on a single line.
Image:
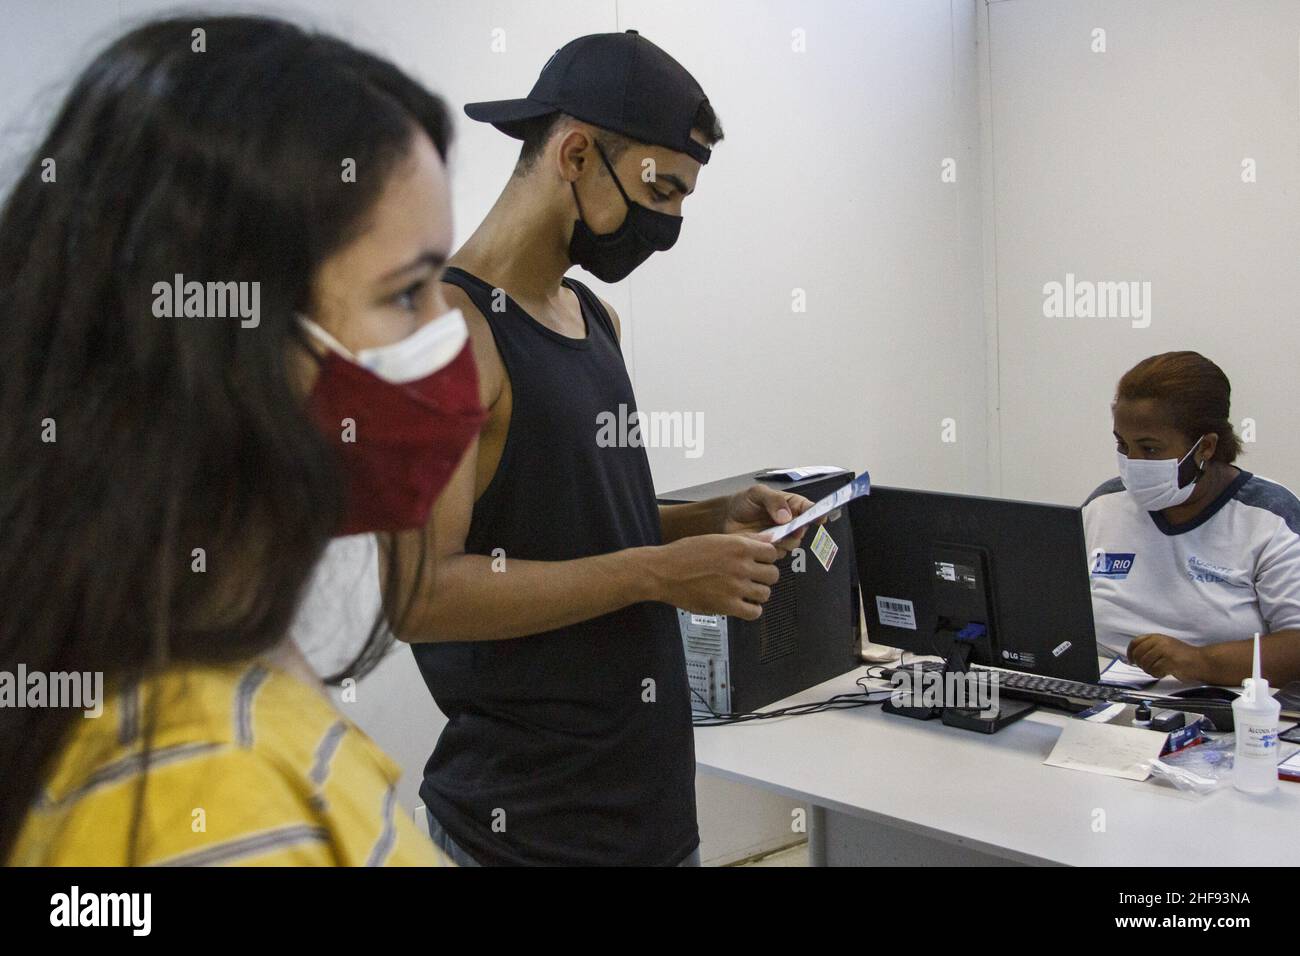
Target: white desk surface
[(992, 792)]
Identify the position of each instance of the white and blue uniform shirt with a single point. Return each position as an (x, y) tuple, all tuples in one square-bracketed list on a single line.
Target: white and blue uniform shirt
[(1232, 570)]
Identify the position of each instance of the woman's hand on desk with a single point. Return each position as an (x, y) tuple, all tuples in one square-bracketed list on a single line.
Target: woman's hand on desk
[(1161, 655)]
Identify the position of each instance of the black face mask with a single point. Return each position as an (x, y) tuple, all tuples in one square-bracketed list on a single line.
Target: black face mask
[(612, 256)]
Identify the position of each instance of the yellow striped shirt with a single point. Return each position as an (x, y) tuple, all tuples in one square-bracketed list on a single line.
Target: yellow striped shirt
[(247, 765)]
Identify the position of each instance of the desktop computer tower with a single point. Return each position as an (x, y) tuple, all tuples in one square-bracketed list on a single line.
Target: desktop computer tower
[(809, 630)]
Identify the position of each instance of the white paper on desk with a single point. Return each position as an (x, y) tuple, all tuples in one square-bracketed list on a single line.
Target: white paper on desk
[(856, 488), (1111, 749), (800, 473), (1120, 674)]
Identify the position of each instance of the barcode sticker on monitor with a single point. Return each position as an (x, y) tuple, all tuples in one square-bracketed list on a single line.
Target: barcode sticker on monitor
[(896, 612)]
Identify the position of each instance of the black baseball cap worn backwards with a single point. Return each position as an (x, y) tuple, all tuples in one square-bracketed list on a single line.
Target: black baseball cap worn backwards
[(618, 81)]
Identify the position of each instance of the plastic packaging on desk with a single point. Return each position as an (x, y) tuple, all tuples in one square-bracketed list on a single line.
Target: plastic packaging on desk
[(1200, 769)]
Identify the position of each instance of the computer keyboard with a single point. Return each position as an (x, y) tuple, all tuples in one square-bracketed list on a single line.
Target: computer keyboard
[(1074, 696), (1068, 695), (1054, 687)]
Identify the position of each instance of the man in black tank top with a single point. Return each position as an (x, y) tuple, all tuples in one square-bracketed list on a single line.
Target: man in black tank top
[(550, 642)]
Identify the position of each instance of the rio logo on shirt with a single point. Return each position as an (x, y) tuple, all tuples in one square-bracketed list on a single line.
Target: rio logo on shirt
[(1111, 565)]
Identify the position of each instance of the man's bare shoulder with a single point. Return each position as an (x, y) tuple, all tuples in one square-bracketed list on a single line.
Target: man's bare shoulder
[(613, 317), (480, 335)]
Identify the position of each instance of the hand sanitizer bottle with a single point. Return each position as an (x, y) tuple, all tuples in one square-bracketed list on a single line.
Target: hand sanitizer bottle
[(1256, 715)]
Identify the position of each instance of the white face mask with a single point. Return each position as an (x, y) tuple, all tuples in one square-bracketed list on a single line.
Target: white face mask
[(426, 350), (1154, 484), (343, 600)]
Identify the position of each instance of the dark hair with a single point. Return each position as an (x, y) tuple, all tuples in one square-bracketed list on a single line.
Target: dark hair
[(537, 132), (172, 435), (708, 124), (1193, 393)]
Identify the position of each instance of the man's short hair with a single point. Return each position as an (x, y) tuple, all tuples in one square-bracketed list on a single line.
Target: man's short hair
[(537, 132)]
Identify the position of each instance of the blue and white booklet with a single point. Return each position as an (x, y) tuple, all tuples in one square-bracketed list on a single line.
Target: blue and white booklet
[(856, 488)]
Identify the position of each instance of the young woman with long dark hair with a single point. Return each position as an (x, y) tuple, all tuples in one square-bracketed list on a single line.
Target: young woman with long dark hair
[(225, 345)]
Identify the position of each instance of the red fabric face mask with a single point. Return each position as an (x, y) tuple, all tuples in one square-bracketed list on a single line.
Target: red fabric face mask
[(403, 416)]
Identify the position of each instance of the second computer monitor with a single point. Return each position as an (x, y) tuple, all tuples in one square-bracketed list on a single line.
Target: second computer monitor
[(1012, 574)]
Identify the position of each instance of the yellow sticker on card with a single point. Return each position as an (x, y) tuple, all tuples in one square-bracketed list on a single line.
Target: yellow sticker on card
[(824, 547)]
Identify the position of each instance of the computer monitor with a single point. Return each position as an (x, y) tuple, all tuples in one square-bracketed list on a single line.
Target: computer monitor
[(932, 564)]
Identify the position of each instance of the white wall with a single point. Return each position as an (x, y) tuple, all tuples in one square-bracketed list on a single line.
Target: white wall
[(828, 181), (1127, 165), (42, 48)]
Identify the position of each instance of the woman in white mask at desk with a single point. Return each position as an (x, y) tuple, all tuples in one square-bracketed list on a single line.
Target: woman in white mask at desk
[(1190, 555)]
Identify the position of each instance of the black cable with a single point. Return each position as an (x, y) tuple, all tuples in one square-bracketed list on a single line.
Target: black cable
[(705, 702), (838, 702)]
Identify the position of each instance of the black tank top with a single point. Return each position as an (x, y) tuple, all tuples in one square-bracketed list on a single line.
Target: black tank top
[(552, 752)]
